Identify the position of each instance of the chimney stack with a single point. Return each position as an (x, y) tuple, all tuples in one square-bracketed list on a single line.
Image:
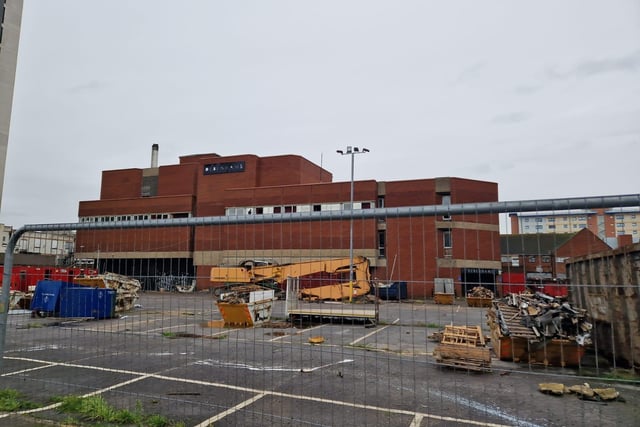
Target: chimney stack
[(154, 156)]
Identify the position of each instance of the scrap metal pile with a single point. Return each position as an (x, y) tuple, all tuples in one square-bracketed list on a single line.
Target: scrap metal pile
[(541, 317)]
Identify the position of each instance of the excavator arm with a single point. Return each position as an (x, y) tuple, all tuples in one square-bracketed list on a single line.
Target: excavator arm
[(337, 287)]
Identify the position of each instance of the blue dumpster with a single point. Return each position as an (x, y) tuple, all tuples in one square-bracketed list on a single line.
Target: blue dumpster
[(83, 301), (46, 297), (393, 291)]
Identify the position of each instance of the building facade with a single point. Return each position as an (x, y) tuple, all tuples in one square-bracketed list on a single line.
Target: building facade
[(540, 259), (10, 19), (415, 249), (608, 224)]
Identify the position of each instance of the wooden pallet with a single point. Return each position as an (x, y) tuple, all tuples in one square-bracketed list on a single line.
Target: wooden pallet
[(463, 347), (468, 336)]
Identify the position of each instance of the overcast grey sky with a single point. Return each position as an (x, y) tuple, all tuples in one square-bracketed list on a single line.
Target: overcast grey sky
[(542, 97)]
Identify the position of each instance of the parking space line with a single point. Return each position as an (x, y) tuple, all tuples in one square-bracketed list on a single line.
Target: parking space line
[(297, 333), (260, 393), (373, 333), (417, 420), (230, 411)]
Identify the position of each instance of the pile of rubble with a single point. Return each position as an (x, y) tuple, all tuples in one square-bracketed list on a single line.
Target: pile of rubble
[(126, 288), (546, 317), (480, 292), (239, 294)]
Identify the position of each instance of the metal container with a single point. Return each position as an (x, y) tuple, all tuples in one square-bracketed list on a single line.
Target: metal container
[(46, 297), (254, 312), (81, 301)]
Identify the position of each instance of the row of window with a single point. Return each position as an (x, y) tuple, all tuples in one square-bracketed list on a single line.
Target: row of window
[(578, 218), (136, 217), (317, 207)]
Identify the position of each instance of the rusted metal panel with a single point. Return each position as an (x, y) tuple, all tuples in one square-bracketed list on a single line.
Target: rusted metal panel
[(607, 284)]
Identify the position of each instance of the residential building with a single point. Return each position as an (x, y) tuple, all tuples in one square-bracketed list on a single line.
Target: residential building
[(608, 224), (414, 249)]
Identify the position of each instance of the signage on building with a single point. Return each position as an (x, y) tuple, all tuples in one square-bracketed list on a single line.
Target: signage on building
[(227, 167)]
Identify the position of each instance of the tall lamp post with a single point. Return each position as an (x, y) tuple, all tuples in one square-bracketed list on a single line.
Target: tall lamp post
[(351, 151)]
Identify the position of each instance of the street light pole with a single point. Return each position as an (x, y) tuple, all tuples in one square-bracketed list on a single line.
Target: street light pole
[(351, 151)]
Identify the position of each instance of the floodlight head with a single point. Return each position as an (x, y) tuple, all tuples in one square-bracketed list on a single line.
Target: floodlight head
[(339, 151), (365, 150)]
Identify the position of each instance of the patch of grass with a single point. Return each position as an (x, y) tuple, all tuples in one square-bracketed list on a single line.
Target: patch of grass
[(621, 374), (96, 409), (434, 325), (12, 400), (168, 334)]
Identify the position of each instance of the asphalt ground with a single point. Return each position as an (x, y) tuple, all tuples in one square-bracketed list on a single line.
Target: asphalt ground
[(171, 357)]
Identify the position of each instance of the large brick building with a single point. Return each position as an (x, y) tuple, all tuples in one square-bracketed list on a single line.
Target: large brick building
[(416, 249)]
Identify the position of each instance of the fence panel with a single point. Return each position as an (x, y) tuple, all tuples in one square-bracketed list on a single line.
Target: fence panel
[(421, 316)]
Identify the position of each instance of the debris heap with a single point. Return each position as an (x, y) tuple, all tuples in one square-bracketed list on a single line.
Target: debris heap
[(546, 316), (480, 292), (126, 288), (538, 328)]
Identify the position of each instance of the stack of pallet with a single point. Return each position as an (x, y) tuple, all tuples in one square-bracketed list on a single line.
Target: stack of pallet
[(463, 347)]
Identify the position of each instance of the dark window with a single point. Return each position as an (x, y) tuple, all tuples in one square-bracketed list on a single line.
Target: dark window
[(446, 239), (382, 243)]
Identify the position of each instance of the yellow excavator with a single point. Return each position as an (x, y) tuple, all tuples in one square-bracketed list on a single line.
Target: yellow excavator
[(321, 280)]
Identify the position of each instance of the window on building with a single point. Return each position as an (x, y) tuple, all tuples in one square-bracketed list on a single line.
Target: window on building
[(446, 199), (382, 243), (446, 239), (539, 219), (620, 225), (381, 201), (317, 208), (552, 227), (277, 209), (551, 219), (533, 258), (366, 205), (546, 258)]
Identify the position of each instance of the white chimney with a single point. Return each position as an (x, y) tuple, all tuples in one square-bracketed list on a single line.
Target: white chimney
[(154, 156)]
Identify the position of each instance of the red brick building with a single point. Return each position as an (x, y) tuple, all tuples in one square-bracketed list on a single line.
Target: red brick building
[(539, 259), (415, 249)]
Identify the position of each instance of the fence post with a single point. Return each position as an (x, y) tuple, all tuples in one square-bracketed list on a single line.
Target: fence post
[(6, 288)]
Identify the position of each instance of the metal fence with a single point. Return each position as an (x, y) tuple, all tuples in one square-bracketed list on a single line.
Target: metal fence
[(458, 325)]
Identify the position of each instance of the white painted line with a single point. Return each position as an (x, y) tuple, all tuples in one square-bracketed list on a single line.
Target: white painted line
[(143, 375), (297, 333), (186, 325), (209, 362), (417, 420), (93, 393), (373, 333), (25, 370), (230, 411)]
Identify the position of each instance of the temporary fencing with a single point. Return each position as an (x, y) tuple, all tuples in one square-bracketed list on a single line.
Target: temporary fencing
[(454, 314)]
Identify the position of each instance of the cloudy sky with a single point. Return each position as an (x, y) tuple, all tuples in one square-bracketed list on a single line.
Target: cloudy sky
[(542, 97)]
